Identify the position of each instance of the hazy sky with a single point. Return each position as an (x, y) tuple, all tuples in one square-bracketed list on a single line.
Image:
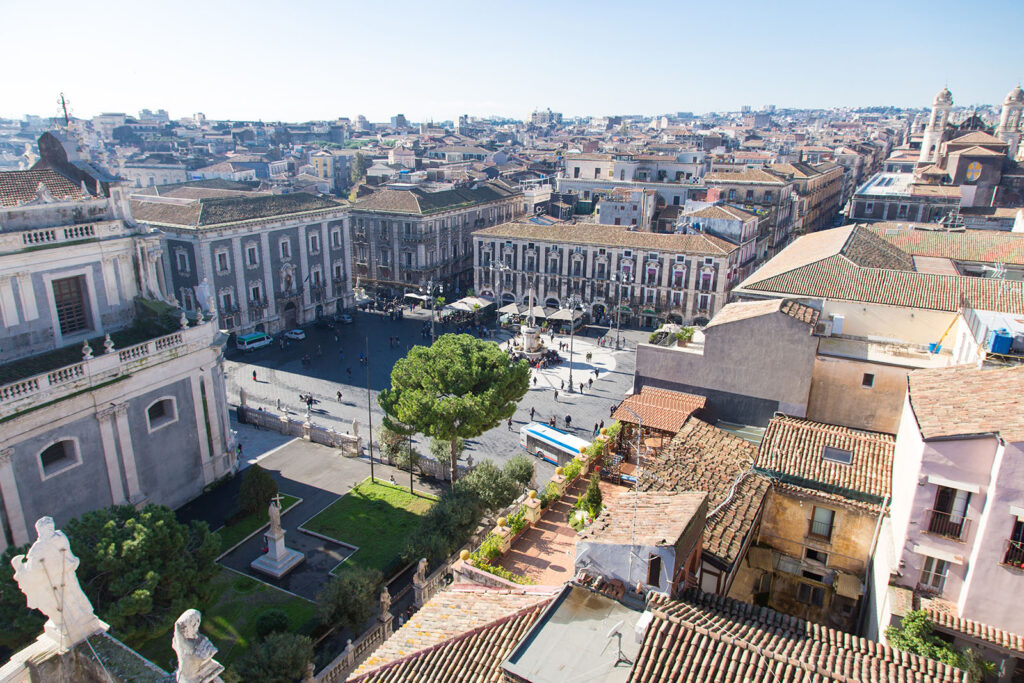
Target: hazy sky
[(305, 59)]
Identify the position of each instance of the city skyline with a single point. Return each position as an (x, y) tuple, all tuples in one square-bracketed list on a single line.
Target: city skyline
[(321, 61)]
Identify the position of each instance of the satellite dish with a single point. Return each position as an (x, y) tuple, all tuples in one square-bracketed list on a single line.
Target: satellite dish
[(615, 630)]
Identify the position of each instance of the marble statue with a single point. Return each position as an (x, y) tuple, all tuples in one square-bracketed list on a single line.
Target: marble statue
[(274, 514), (46, 575), (195, 651), (421, 572), (385, 602)]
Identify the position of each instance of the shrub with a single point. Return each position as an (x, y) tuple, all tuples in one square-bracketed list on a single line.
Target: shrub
[(517, 521), (591, 499), (349, 599), (446, 526), (490, 549), (492, 486), (614, 429), (279, 658), (519, 469), (684, 335), (572, 470), (271, 621), (549, 496), (256, 491)]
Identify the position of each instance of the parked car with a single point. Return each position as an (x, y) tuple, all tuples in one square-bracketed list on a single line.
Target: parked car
[(344, 318), (295, 334)]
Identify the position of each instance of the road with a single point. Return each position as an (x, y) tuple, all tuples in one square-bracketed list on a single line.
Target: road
[(281, 376)]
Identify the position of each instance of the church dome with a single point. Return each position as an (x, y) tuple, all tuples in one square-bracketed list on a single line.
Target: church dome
[(1016, 96), (944, 97)]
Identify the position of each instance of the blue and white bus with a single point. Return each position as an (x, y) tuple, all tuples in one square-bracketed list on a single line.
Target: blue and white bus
[(553, 445)]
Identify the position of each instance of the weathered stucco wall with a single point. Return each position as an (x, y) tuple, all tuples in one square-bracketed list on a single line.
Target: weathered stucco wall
[(838, 395)]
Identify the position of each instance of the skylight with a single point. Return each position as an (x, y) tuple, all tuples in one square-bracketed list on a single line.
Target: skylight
[(839, 455)]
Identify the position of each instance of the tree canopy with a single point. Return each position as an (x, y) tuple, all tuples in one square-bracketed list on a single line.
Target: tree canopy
[(349, 598), (257, 490), (278, 658), (459, 387)]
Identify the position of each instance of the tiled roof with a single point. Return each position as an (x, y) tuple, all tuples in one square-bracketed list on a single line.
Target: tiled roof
[(461, 634), (814, 266), (723, 211), (978, 152), (747, 175), (793, 447), (744, 310), (21, 186), (418, 202), (217, 211), (660, 409), (979, 137), (704, 458), (704, 637), (868, 250), (648, 518), (948, 619), (962, 401), (611, 236), (986, 246)]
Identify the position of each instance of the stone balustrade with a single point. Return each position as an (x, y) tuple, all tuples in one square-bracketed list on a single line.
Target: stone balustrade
[(105, 367), (44, 237)]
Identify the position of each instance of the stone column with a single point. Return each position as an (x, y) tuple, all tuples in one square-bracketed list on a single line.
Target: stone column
[(12, 501), (124, 438), (217, 436), (105, 419), (268, 278), (303, 273), (325, 257), (242, 291)]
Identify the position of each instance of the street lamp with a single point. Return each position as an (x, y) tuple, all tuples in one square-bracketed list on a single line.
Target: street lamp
[(501, 268), (572, 302), (430, 296)]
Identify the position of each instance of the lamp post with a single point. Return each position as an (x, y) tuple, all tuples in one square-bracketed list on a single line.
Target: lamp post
[(501, 268), (572, 302), (430, 297)]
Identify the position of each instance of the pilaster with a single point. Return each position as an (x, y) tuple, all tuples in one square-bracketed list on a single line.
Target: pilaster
[(204, 446), (12, 500), (104, 417), (124, 439)]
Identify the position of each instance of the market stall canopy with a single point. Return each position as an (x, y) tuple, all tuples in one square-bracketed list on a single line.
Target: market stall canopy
[(565, 314), (470, 304), (511, 309)]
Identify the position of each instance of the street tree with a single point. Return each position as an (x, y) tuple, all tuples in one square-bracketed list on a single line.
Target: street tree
[(457, 388), (349, 598), (495, 488), (278, 658), (359, 166), (256, 491)]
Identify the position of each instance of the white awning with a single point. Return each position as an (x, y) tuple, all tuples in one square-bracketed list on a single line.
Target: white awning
[(952, 484)]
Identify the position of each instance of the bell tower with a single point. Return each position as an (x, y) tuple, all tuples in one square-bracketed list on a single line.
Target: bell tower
[(936, 126), (1009, 122)]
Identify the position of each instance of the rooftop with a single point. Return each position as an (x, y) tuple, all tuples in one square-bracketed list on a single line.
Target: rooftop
[(214, 211), (927, 239), (609, 235), (659, 409), (17, 187), (966, 401), (747, 175), (647, 518), (838, 459), (419, 202), (743, 310), (704, 458)]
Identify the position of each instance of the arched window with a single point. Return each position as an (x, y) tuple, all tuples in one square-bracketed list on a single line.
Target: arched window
[(58, 457), (162, 412)]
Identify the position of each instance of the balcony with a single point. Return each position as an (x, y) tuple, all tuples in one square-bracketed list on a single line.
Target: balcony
[(945, 524), (1014, 554)]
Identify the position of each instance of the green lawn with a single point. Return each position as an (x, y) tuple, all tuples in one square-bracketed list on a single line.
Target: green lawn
[(230, 535), (229, 619), (377, 518)]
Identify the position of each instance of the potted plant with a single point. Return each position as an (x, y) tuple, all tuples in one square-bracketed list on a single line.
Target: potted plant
[(684, 336)]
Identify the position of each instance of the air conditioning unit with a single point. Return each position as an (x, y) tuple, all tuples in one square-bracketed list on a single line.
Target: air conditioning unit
[(823, 329), (837, 323)]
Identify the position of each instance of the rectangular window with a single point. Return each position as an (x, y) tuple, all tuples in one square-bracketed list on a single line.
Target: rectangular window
[(225, 300), (286, 249), (950, 512), (821, 522), (767, 195), (182, 260), (314, 243), (810, 595), (252, 255), (256, 293), (750, 195), (339, 273), (818, 556), (222, 262), (732, 194), (933, 575), (840, 455), (69, 300), (868, 380)]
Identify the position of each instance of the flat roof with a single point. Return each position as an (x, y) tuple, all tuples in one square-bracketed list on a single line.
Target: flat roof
[(571, 641)]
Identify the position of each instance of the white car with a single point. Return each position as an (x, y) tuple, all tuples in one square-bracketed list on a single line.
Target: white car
[(295, 334)]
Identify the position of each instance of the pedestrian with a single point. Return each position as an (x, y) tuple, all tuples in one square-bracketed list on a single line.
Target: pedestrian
[(510, 424), (238, 451), (568, 421), (531, 413), (601, 425), (611, 410), (581, 387), (339, 395), (596, 430), (563, 385), (590, 383), (279, 403), (535, 380), (597, 371), (253, 375), (392, 478), (556, 394)]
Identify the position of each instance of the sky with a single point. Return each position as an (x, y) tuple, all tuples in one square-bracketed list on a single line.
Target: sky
[(303, 60)]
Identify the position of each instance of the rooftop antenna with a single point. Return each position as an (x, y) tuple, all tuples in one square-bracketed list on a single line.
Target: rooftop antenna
[(616, 631)]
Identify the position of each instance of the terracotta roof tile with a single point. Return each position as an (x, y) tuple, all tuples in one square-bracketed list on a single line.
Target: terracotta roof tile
[(21, 186), (965, 400), (648, 518), (461, 634), (610, 235), (703, 637), (949, 620), (704, 458), (660, 409), (986, 246), (794, 448), (743, 310)]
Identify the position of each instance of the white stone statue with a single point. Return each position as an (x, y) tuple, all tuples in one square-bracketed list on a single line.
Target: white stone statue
[(421, 572), (274, 514), (385, 602), (195, 652), (46, 575)]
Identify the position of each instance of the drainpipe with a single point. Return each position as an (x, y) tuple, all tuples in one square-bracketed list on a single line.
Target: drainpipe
[(868, 564)]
